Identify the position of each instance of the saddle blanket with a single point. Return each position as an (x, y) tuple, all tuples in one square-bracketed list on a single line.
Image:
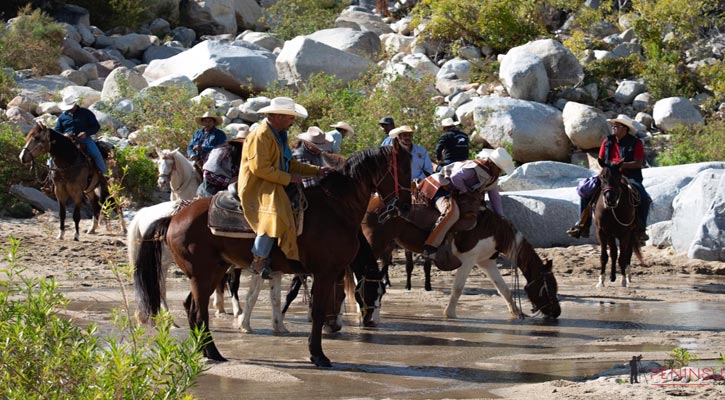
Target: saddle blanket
[(226, 217)]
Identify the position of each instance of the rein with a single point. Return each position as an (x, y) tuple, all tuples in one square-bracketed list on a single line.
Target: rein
[(392, 209), (633, 201)]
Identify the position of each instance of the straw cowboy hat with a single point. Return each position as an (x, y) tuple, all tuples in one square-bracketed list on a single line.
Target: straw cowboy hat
[(626, 121), (344, 125), (217, 119), (317, 137), (500, 157), (284, 105), (449, 122), (402, 129), (69, 100), (240, 136)]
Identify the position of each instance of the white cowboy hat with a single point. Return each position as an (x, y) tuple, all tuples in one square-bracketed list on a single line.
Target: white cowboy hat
[(69, 100), (240, 136), (318, 138), (211, 115), (503, 160), (344, 125), (449, 122), (397, 131), (626, 121), (284, 105)]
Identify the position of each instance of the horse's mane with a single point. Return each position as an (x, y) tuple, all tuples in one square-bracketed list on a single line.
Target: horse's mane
[(505, 234), (358, 168), (65, 145)]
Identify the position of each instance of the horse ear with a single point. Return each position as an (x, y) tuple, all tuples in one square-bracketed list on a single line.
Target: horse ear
[(548, 265), (176, 150), (601, 162)]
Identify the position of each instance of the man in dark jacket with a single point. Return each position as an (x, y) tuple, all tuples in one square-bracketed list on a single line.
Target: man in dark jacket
[(452, 145), (82, 124)]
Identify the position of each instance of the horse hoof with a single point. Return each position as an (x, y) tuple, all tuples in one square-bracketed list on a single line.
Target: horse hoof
[(75, 238), (613, 278), (214, 355), (321, 361), (600, 284), (428, 288), (281, 331), (451, 314)]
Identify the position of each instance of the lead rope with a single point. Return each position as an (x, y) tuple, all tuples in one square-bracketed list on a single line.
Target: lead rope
[(515, 273)]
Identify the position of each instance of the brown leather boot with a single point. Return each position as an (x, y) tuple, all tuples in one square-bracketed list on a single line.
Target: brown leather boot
[(261, 265)]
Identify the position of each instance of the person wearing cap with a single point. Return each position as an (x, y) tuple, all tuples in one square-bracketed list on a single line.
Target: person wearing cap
[(464, 177), (421, 166), (452, 145), (205, 138), (624, 148), (312, 144), (387, 124), (342, 130), (80, 123), (267, 167), (222, 166)]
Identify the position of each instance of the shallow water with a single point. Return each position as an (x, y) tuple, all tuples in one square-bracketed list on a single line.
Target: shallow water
[(417, 353)]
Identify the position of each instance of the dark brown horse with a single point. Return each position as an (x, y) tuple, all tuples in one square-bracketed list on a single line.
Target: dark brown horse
[(479, 246), (328, 244), (615, 218), (73, 174)]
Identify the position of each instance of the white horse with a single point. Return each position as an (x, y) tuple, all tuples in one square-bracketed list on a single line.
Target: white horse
[(140, 224), (177, 173)]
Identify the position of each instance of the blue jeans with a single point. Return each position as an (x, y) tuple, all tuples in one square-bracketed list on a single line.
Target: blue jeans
[(263, 245), (94, 153), (644, 202)]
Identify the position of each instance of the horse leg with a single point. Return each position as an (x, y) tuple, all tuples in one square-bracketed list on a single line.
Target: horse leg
[(61, 216), (387, 262), (426, 268), (77, 202), (96, 206), (218, 296), (625, 259), (494, 275), (275, 297), (199, 319), (233, 282), (333, 321), (459, 282), (613, 249), (408, 268), (255, 285), (322, 288), (603, 260), (294, 289)]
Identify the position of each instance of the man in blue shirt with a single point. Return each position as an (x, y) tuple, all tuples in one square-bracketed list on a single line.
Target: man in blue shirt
[(421, 165), (81, 123), (206, 138), (387, 124), (342, 130)]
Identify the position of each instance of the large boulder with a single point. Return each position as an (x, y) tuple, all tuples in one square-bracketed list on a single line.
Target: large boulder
[(78, 54), (535, 130), (455, 69), (159, 53), (544, 175), (709, 239), (524, 75), (394, 43), (219, 64), (627, 91), (585, 126), (263, 39), (675, 111), (362, 43), (691, 205), (363, 21), (181, 81), (247, 14), (42, 88), (87, 95), (211, 17), (562, 66), (302, 57), (133, 45), (122, 82)]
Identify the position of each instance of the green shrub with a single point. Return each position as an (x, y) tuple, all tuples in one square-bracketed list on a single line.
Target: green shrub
[(7, 88), (32, 41), (130, 14), (12, 171), (137, 173), (695, 144), (500, 24), (46, 356), (680, 357), (164, 117), (713, 78), (291, 18)]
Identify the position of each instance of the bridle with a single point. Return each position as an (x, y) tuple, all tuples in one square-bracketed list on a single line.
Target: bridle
[(173, 168), (633, 200), (392, 208), (360, 291), (543, 291)]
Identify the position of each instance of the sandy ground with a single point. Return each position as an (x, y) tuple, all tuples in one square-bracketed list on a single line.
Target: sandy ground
[(82, 270)]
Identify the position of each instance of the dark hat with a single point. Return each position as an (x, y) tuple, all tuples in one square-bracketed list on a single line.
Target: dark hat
[(387, 121)]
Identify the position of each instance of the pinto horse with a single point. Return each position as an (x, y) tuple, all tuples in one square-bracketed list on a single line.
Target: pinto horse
[(480, 246), (73, 174), (177, 173), (328, 243), (615, 218)]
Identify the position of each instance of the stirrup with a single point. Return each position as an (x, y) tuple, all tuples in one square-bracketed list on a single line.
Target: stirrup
[(575, 231)]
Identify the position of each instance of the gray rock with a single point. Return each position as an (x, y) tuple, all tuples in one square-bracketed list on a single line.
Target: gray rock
[(77, 77), (155, 52), (709, 239), (461, 69), (182, 81), (211, 17), (643, 102), (133, 45), (627, 91), (159, 27), (122, 82), (562, 66), (35, 197), (524, 75), (394, 43), (645, 119), (184, 35), (469, 53), (87, 37), (96, 84), (247, 14), (675, 111), (690, 207), (263, 39), (660, 234), (87, 95), (43, 88), (459, 100), (25, 103), (544, 175), (362, 43), (73, 49), (302, 57), (585, 126), (363, 21), (627, 49)]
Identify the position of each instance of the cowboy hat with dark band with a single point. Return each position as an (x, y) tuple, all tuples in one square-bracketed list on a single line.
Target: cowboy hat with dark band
[(217, 119)]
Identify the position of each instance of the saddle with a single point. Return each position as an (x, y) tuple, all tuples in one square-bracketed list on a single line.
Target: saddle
[(226, 216), (424, 213)]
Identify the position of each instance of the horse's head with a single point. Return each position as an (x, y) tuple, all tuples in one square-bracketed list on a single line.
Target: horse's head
[(37, 142), (394, 185), (369, 296), (542, 290), (610, 179), (167, 165)]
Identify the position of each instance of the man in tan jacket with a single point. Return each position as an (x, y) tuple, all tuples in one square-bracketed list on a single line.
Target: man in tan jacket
[(267, 167)]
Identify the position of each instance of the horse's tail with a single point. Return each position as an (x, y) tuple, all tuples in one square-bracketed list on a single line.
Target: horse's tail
[(148, 274)]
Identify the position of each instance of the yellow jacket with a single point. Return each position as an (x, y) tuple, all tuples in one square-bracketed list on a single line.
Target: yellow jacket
[(261, 184)]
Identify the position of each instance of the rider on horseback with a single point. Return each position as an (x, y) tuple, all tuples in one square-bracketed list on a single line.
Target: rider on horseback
[(80, 124), (624, 148), (205, 139), (267, 167), (471, 176)]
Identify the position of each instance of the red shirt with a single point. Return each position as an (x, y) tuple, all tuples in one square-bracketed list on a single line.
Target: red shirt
[(615, 156)]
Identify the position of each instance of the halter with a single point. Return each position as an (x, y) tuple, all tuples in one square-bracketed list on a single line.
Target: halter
[(633, 201), (542, 276), (173, 168), (360, 290), (543, 291)]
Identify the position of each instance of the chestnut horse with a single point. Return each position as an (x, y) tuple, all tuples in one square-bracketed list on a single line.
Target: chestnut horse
[(615, 218), (480, 246), (328, 243), (73, 174)]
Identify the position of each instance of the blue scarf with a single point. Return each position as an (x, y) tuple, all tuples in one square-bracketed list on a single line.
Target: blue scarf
[(286, 152)]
